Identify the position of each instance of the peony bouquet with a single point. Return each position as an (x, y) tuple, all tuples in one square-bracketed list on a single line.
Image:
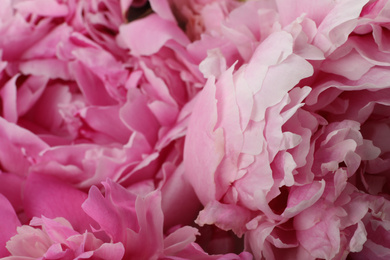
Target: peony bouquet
[(195, 129)]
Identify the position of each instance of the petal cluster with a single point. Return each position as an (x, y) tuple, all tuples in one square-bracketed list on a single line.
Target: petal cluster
[(285, 136), (194, 129)]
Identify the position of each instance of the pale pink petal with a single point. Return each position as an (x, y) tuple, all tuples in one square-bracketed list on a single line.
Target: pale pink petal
[(255, 238), (352, 66), (338, 24), (303, 197), (268, 95), (359, 238), (195, 159), (110, 251), (214, 64), (224, 216), (50, 68), (159, 32), (6, 13), (290, 10), (179, 239), (58, 230), (42, 7), (56, 239), (29, 243), (322, 239), (162, 8)]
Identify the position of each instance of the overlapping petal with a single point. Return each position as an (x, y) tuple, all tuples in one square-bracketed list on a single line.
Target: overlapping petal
[(196, 129)]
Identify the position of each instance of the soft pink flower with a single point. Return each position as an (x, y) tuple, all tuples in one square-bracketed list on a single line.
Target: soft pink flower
[(377, 228), (137, 220), (226, 163), (57, 239), (246, 111), (194, 129), (287, 138), (233, 29), (69, 87)]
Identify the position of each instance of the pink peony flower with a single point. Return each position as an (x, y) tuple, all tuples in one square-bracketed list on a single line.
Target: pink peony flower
[(76, 93), (137, 220), (285, 140), (196, 129), (57, 239)]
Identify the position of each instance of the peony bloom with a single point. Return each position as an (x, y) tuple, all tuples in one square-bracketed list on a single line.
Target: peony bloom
[(137, 220), (57, 239), (77, 108), (287, 141), (194, 129), (102, 109)]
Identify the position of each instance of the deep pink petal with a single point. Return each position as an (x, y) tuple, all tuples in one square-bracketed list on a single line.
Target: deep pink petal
[(47, 196), (8, 223)]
